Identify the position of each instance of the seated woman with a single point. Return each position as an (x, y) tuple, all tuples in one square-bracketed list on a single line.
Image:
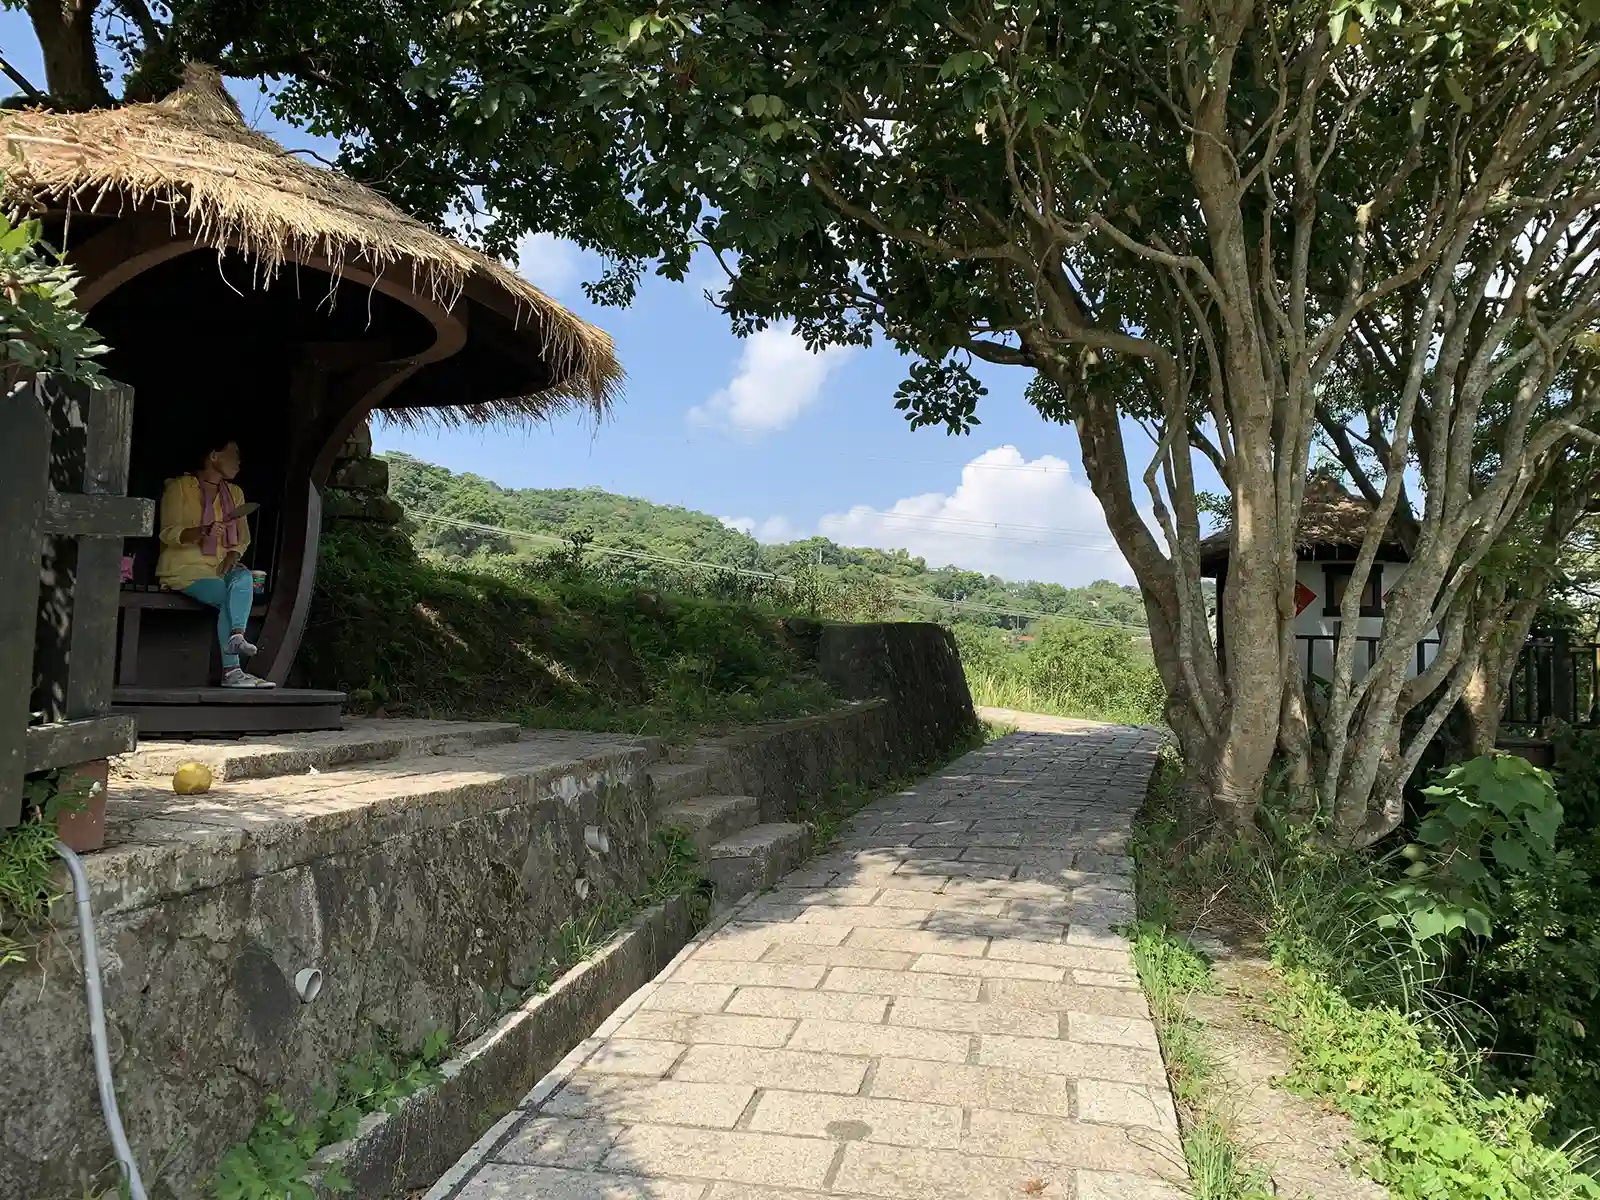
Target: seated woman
[(201, 541)]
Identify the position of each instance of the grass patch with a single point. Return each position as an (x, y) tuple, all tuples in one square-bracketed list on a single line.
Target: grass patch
[(28, 860), (1171, 971), (1070, 670), (406, 637), (1373, 1032)]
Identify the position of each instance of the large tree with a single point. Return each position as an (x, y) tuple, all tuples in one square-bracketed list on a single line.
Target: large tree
[(1252, 224)]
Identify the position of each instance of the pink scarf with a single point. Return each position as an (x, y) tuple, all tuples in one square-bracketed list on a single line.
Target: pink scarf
[(216, 504)]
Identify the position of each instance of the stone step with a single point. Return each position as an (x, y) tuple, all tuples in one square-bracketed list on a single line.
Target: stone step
[(275, 756), (710, 819), (672, 782), (756, 857)]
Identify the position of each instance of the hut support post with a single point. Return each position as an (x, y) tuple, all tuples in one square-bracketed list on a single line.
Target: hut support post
[(24, 483)]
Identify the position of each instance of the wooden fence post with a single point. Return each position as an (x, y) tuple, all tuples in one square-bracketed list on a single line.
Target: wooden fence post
[(24, 484)]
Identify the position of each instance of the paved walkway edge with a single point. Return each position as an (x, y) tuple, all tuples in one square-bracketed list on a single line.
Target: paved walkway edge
[(404, 1151)]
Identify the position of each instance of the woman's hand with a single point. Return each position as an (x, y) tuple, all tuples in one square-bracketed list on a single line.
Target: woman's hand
[(196, 533), (230, 560)]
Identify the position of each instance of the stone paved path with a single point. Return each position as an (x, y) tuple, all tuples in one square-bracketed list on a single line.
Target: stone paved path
[(936, 1009)]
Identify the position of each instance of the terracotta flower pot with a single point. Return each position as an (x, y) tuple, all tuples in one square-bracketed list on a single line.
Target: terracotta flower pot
[(85, 829)]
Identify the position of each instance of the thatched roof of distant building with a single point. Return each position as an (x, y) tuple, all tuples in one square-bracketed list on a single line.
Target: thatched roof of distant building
[(1333, 524), (230, 187)]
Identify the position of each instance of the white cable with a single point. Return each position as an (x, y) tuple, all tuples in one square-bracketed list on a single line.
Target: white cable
[(97, 1023)]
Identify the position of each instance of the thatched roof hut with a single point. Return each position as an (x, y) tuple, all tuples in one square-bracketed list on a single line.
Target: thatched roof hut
[(1333, 525), (192, 161), (249, 294)]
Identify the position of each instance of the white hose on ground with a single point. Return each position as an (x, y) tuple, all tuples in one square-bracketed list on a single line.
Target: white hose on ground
[(97, 1024)]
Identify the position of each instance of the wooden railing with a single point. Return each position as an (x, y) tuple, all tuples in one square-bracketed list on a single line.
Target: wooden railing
[(63, 484), (1556, 678)]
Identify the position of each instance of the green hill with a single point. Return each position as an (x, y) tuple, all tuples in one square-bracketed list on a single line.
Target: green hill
[(445, 504)]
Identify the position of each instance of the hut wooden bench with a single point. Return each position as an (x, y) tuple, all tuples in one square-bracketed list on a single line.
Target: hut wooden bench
[(171, 692)]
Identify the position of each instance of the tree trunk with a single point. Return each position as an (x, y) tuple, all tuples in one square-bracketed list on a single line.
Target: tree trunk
[(65, 29)]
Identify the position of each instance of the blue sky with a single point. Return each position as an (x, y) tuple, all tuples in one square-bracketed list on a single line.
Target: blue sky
[(759, 432)]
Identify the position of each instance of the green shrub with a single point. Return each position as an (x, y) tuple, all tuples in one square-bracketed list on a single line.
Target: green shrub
[(1071, 670)]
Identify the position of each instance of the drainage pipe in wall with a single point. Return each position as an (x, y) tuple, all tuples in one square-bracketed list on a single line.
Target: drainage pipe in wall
[(97, 1024)]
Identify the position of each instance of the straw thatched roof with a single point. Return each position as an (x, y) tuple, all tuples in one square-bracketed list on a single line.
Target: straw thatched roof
[(1331, 519), (226, 185)]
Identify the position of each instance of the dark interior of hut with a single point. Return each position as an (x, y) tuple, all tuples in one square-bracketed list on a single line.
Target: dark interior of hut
[(210, 350)]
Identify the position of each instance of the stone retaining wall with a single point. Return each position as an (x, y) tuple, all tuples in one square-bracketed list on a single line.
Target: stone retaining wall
[(415, 901)]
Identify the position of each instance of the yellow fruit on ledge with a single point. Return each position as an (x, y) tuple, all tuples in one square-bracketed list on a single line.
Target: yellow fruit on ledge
[(191, 779)]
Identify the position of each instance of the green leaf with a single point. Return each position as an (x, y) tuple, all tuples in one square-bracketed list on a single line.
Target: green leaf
[(1419, 110), (1511, 854), (1545, 823), (1458, 93)]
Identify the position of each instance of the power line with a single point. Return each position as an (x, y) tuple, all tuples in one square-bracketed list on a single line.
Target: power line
[(642, 556)]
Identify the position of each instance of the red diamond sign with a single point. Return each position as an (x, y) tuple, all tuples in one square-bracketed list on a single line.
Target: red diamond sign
[(1303, 596)]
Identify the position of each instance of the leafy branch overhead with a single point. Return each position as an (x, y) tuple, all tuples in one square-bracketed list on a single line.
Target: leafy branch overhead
[(41, 329)]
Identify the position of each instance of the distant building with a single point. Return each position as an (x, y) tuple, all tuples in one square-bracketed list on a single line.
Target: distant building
[(1333, 524)]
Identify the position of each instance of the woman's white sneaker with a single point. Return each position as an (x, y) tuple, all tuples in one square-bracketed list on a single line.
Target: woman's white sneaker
[(235, 677)]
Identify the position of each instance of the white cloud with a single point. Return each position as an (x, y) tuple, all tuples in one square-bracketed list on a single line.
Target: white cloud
[(1009, 516), (773, 529), (777, 380), (550, 263)]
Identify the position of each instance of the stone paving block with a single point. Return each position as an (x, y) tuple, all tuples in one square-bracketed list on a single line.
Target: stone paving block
[(1000, 1134), (963, 839), (1076, 1060), (628, 1056), (559, 1142), (799, 1070), (743, 945), (780, 931), (1100, 1185), (955, 869), (749, 974), (808, 877), (918, 941), (690, 997), (737, 1156), (1068, 997), (807, 897), (902, 983), (917, 1174), (859, 1119), (1098, 936), (745, 1191), (957, 1016), (827, 1006), (650, 1101), (975, 1086), (763, 908), (987, 968), (1065, 955), (1113, 979), (1127, 1104), (866, 917), (840, 956), (977, 925), (498, 1181), (880, 1041), (1112, 1031), (691, 1028), (893, 897)]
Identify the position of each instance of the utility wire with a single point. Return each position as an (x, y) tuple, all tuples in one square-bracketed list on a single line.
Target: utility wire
[(642, 556)]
